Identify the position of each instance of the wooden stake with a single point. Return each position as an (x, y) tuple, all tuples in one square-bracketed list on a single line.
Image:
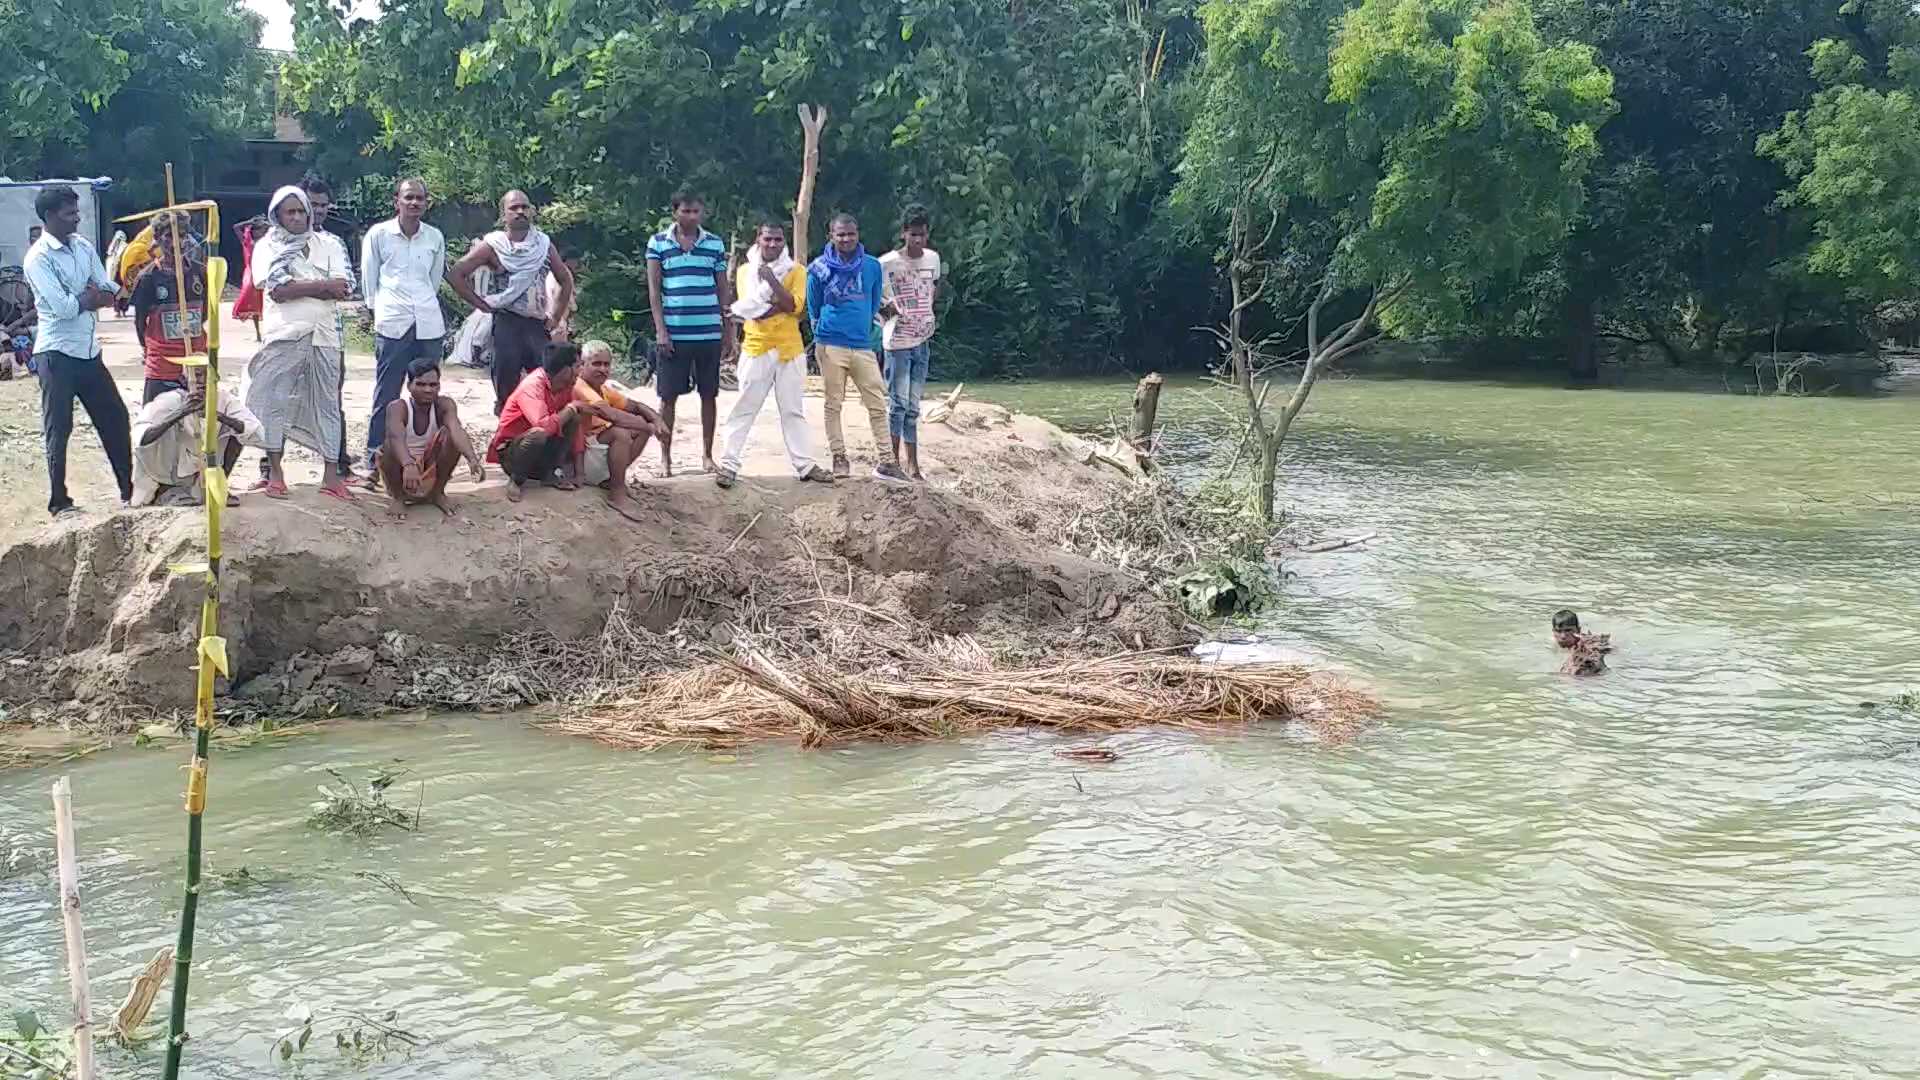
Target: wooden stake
[(812, 121), (76, 941), (133, 1011), (1146, 413)]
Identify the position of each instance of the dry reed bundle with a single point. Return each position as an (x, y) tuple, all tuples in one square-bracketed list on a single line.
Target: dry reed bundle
[(727, 702)]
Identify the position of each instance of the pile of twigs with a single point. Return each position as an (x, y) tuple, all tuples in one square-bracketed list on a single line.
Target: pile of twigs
[(728, 702)]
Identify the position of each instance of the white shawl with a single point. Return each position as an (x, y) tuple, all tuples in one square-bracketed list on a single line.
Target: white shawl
[(756, 301)]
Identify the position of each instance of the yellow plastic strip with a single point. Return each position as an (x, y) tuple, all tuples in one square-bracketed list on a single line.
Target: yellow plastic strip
[(217, 487), (197, 786), (214, 649)]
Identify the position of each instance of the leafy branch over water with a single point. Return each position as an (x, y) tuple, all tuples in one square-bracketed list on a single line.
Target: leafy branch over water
[(362, 809)]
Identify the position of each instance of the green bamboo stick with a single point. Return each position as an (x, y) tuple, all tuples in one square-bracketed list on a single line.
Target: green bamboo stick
[(210, 650)]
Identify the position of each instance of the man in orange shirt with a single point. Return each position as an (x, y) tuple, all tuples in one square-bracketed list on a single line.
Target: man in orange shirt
[(617, 428), (542, 435)]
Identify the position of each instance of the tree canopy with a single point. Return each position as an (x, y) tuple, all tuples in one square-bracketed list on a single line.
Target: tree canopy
[(1687, 175), (1854, 154), (1041, 137), (119, 87)]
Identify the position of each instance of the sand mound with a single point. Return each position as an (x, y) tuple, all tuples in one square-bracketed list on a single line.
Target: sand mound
[(317, 594)]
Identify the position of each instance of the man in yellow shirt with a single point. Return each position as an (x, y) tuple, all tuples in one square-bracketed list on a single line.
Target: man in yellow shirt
[(771, 288), (618, 428)]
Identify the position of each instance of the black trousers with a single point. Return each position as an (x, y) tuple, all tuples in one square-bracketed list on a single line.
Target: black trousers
[(393, 361), (62, 379), (537, 455), (518, 343)]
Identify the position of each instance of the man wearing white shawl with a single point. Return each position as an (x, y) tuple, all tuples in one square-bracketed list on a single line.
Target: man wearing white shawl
[(518, 257), (293, 380), (771, 288)]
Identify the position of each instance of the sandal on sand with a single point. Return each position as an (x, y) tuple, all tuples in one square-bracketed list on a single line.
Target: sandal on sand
[(338, 491), (725, 478), (273, 489)]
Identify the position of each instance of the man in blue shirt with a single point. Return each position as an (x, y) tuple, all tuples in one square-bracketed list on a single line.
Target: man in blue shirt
[(69, 285), (687, 282), (843, 300)]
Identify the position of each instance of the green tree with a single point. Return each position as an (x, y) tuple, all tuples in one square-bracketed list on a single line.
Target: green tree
[(1681, 247), (62, 63), (1853, 154), (1042, 137), (120, 87), (1404, 153)]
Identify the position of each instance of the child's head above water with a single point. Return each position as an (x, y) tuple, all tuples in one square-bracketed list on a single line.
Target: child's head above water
[(1566, 628)]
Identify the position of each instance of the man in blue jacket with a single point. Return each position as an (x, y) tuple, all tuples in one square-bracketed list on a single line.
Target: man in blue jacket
[(843, 301)]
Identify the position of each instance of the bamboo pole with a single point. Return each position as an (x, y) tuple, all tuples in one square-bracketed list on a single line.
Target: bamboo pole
[(210, 656), (76, 939)]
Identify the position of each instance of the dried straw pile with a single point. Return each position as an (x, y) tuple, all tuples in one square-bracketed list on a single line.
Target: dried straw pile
[(727, 702)]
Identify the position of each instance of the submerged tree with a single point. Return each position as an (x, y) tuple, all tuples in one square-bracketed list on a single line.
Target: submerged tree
[(1378, 164)]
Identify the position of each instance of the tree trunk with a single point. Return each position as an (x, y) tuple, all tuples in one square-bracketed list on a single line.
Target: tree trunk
[(1146, 412), (812, 120), (1269, 476), (1583, 357)]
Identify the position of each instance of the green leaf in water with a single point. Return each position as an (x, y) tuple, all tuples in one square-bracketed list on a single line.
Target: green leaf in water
[(27, 1023)]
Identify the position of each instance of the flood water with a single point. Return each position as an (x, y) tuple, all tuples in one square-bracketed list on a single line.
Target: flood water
[(1702, 864)]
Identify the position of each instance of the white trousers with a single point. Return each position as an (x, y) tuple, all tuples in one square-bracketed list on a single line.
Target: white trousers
[(759, 375)]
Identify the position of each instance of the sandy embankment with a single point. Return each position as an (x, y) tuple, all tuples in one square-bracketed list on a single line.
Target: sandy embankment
[(314, 592)]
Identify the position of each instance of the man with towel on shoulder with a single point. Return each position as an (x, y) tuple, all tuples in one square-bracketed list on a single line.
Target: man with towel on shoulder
[(518, 257), (293, 381), (773, 360)]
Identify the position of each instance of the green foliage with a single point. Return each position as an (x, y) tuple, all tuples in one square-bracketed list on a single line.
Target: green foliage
[(119, 87), (359, 809), (1040, 136), (31, 1052), (1438, 147), (359, 1038), (1226, 587), (1854, 156)]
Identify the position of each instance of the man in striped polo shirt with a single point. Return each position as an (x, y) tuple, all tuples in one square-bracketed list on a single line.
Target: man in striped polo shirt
[(687, 279)]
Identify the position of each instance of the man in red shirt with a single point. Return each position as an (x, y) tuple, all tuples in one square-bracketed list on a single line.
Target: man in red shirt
[(542, 435), (164, 337)]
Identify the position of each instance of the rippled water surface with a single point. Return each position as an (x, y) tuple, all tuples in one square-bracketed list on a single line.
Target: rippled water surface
[(1702, 864)]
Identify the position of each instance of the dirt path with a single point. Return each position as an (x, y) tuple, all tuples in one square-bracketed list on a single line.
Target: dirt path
[(23, 491)]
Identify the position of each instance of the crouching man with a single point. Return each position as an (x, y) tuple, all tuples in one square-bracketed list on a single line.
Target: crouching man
[(541, 436), (424, 442), (167, 445), (618, 428)]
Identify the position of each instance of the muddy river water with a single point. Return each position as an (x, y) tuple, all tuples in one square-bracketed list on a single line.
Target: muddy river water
[(1702, 864)]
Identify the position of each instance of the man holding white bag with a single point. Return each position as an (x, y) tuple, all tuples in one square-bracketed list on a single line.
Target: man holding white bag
[(771, 287)]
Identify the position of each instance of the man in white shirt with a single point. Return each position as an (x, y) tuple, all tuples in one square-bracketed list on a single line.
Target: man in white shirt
[(402, 261), (167, 448), (911, 275)]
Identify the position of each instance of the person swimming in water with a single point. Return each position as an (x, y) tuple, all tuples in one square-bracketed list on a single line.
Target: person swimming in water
[(1586, 653)]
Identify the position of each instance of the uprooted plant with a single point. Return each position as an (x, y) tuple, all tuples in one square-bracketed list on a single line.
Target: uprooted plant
[(358, 1037), (362, 809)]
